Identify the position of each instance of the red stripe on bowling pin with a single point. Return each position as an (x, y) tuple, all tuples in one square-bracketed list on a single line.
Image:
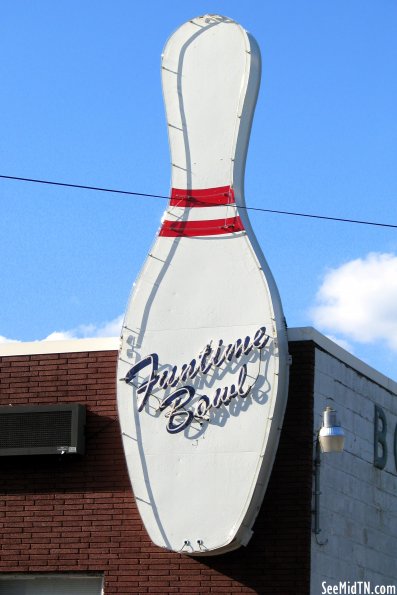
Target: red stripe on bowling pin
[(206, 197), (211, 227)]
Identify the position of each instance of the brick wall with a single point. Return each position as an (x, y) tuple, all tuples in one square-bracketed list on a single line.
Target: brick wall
[(65, 514)]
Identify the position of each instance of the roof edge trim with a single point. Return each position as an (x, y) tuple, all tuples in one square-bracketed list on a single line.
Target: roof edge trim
[(308, 333), (12, 348)]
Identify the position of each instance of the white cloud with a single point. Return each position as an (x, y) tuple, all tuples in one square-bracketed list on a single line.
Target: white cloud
[(61, 336), (342, 342), (359, 300), (89, 331), (5, 340), (111, 328)]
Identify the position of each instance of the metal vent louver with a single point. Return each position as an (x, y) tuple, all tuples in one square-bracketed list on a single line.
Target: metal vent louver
[(42, 429)]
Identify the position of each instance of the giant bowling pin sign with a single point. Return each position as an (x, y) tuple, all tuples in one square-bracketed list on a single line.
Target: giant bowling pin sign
[(203, 366)]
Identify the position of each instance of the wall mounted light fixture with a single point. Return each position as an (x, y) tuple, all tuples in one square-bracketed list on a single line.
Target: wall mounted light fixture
[(330, 438)]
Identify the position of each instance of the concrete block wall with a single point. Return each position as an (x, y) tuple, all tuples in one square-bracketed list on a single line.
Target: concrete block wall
[(65, 514), (358, 509)]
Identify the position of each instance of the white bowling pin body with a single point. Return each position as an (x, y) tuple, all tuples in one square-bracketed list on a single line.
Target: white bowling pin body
[(203, 368)]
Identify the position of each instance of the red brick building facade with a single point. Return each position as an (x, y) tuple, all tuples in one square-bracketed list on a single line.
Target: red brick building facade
[(76, 514)]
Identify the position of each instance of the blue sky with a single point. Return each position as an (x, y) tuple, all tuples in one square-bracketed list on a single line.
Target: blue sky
[(81, 102)]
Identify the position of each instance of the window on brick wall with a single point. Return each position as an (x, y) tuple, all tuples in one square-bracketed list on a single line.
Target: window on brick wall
[(35, 584)]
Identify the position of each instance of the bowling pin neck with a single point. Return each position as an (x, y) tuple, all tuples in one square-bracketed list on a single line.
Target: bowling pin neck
[(210, 75)]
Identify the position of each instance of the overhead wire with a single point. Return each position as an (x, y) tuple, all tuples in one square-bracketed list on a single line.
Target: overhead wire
[(167, 197)]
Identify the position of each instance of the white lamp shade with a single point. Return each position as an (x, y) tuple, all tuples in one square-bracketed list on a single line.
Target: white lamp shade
[(331, 435), (332, 439)]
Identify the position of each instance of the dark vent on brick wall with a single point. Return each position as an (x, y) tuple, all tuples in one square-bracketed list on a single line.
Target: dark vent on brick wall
[(38, 429)]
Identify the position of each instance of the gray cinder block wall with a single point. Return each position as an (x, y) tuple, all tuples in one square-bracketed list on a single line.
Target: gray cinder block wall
[(358, 502)]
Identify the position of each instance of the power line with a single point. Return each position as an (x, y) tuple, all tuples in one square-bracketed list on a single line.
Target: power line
[(148, 195), (83, 187), (340, 219)]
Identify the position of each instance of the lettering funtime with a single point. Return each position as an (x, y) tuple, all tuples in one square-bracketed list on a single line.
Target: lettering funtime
[(180, 417)]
